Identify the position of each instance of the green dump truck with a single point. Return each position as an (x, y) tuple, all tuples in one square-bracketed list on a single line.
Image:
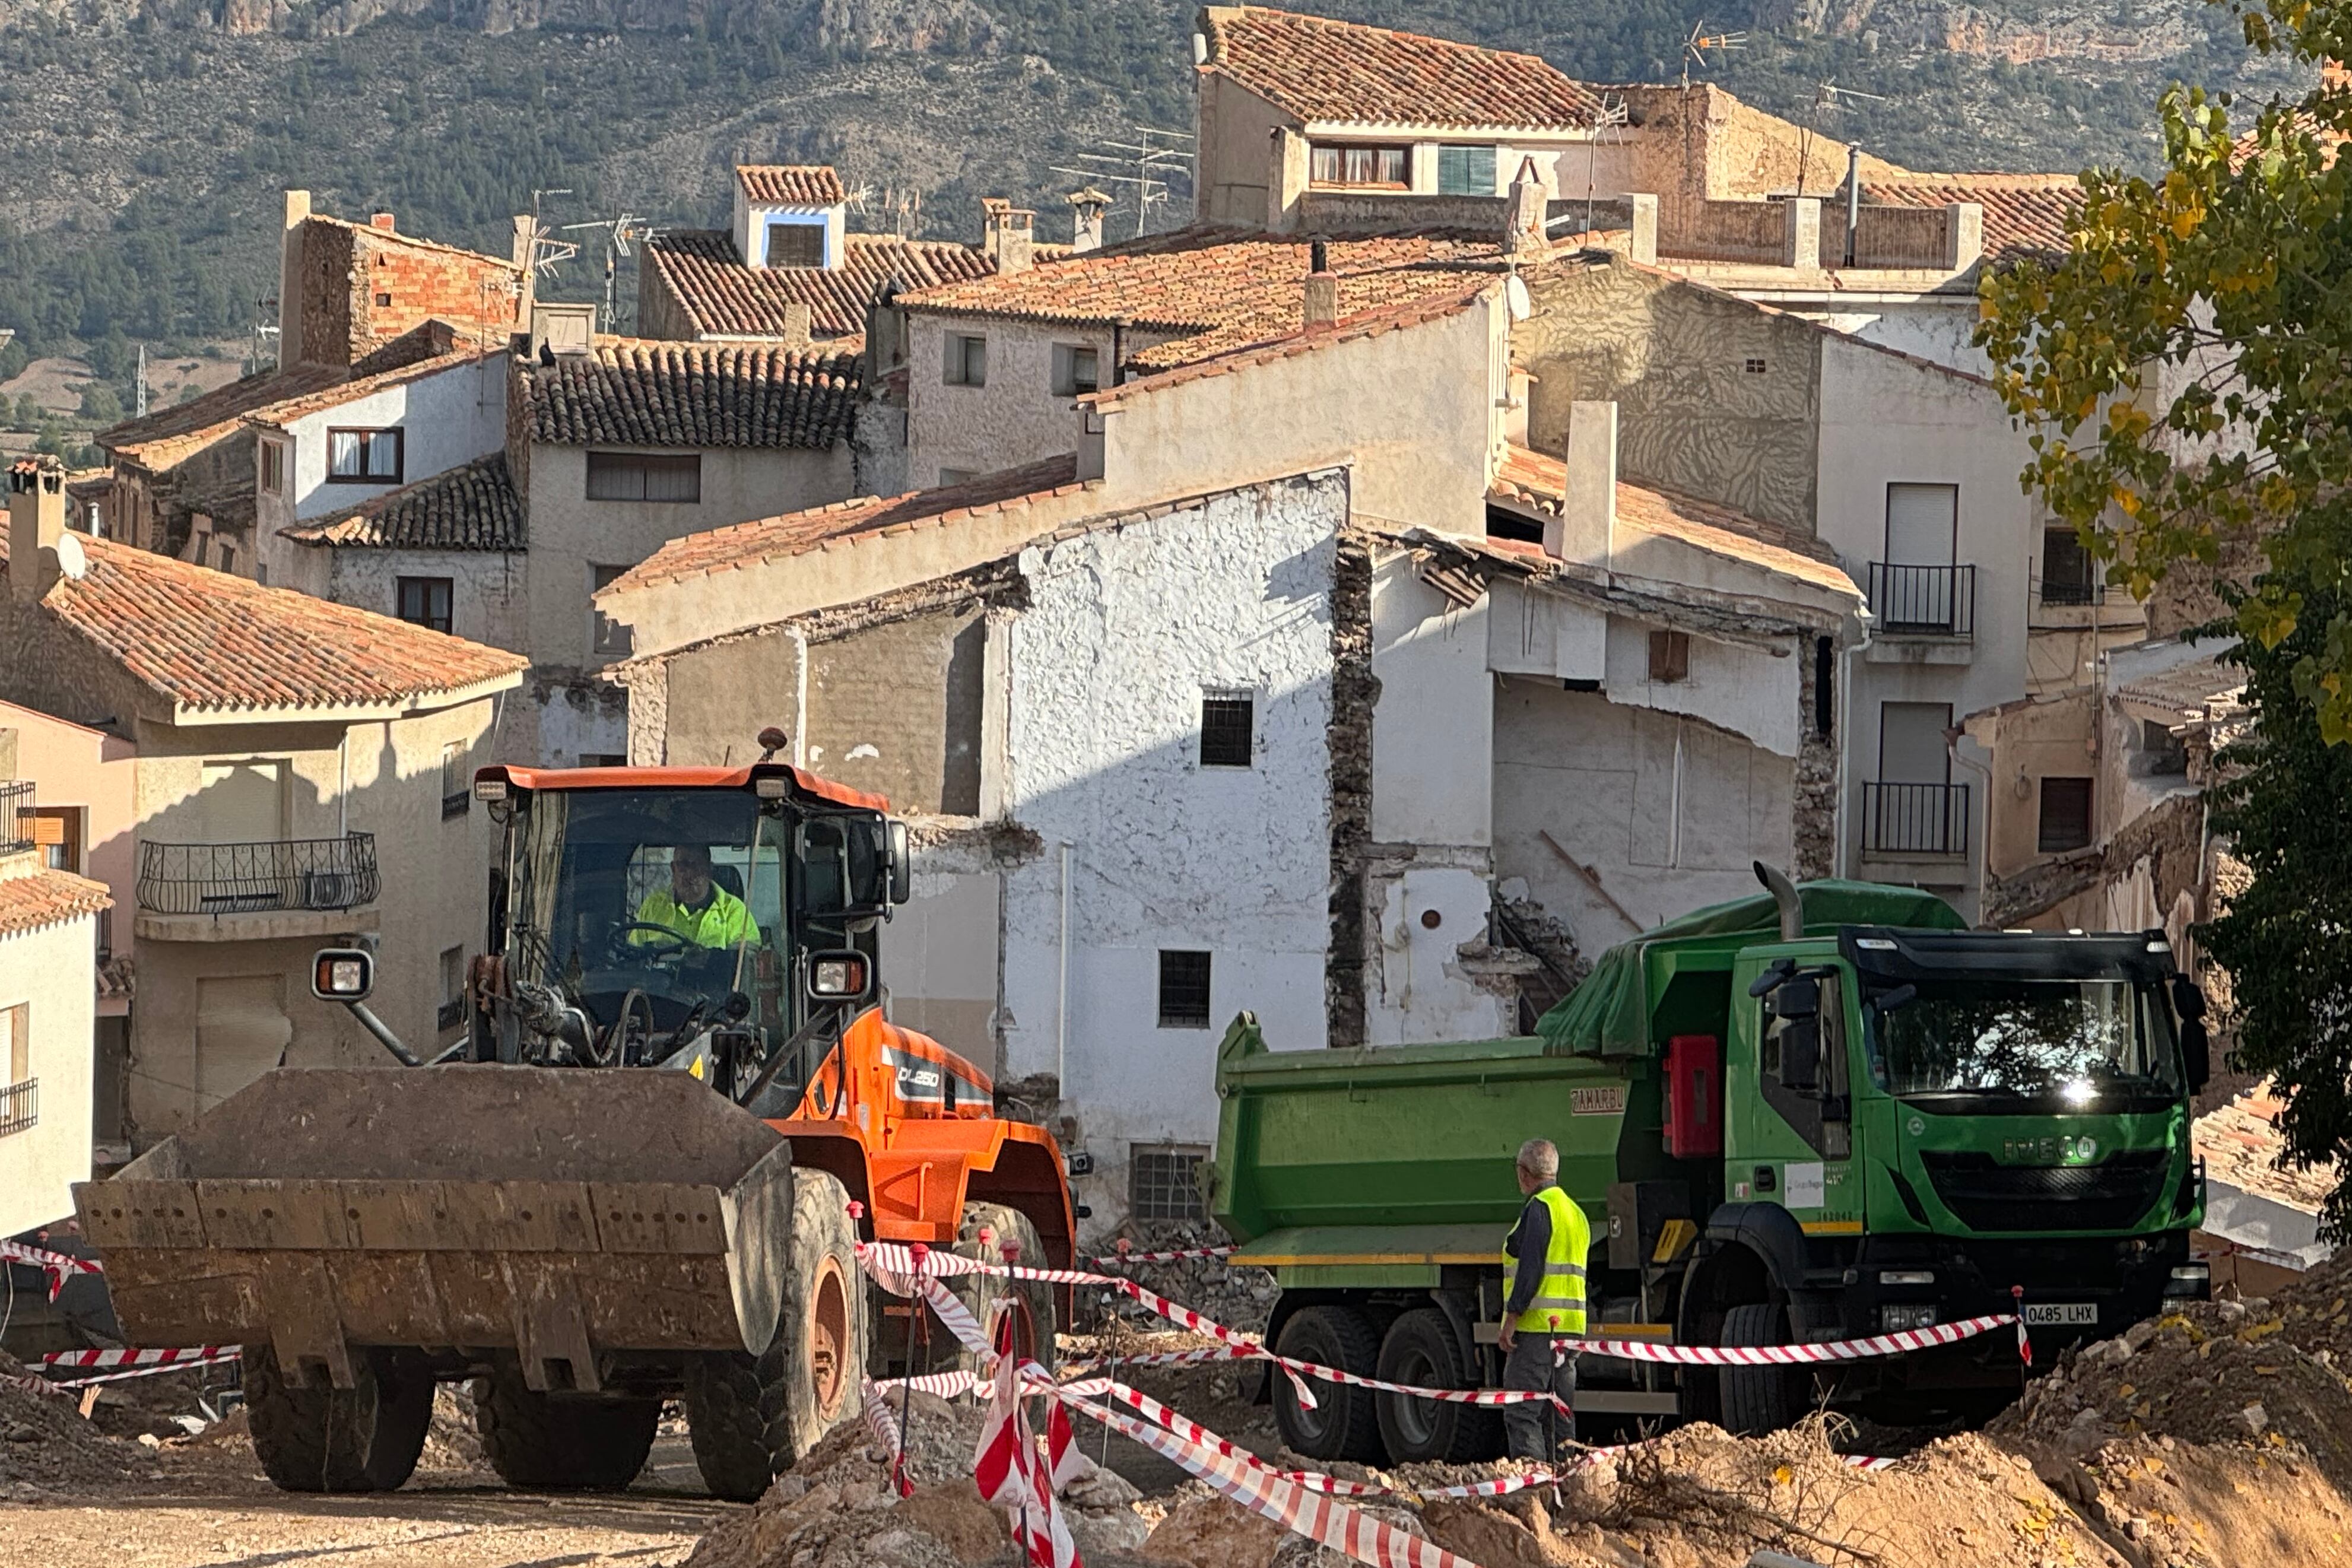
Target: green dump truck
[(1820, 1113)]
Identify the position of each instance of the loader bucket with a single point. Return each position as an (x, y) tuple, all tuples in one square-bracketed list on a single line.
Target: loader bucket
[(560, 1214)]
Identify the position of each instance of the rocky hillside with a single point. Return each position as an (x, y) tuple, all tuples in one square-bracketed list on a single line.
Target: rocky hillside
[(147, 139)]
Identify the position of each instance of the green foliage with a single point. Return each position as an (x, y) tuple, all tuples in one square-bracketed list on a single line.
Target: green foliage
[(2186, 369), (99, 404), (2286, 805), (14, 357)]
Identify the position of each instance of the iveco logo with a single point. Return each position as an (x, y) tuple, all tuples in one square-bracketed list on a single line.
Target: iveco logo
[(2049, 1151)]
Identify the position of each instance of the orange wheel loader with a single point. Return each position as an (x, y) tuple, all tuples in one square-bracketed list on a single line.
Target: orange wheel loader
[(632, 1180)]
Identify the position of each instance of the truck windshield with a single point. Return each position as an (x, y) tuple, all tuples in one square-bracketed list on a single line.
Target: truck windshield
[(677, 894), (2079, 1043)]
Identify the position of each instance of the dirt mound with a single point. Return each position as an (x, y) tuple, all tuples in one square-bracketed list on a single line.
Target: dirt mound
[(46, 1447)]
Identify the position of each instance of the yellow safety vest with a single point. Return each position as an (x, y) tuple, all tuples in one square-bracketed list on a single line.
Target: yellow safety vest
[(1558, 1305), (721, 922)]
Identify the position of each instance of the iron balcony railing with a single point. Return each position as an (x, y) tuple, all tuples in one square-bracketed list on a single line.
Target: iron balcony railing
[(1938, 601), (2070, 591), (235, 879), (16, 817), (1915, 818), (20, 1105)]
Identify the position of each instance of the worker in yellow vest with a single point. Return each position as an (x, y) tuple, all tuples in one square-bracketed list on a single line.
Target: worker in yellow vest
[(1543, 1305)]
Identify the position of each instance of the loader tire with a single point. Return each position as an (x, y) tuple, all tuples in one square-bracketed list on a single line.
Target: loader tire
[(364, 1438), (752, 1418), (561, 1442), (1761, 1399), (988, 1229)]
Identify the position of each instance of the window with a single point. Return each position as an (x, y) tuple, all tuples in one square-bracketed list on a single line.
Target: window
[(425, 602), (383, 301), (19, 1108), (2065, 815), (644, 476), (1164, 1183), (607, 635), (273, 468), (2067, 577), (57, 833), (1075, 372), (796, 245), (1183, 990), (1362, 166), (966, 359), (1669, 657), (1465, 171), (457, 798), (1824, 688), (2167, 754), (1753, 365), (364, 457), (452, 1013), (227, 555), (1225, 731)]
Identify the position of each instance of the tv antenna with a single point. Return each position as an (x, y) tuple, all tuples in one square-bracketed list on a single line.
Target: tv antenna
[(1143, 165), (902, 210), (1695, 48), (1827, 97), (620, 233)]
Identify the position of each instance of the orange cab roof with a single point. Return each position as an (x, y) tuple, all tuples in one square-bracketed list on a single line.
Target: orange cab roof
[(684, 778)]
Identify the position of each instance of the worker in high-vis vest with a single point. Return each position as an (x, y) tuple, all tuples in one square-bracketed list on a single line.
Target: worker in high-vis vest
[(1543, 1305)]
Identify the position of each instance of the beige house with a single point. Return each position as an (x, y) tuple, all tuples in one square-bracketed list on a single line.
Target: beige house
[(301, 774), (48, 956)]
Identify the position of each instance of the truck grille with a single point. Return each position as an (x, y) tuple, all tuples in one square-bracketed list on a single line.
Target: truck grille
[(2111, 1195)]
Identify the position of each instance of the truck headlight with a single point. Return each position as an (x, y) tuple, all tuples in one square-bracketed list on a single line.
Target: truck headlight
[(1906, 1276), (2192, 1280), (1895, 1317)]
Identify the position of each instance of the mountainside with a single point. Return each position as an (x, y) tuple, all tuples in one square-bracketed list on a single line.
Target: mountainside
[(146, 141)]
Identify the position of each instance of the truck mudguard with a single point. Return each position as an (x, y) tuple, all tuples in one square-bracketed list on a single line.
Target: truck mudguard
[(1769, 1231)]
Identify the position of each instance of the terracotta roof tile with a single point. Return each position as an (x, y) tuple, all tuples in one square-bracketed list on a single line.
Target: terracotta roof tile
[(472, 507), (1219, 289), (161, 438), (2024, 215), (285, 410), (725, 299), (47, 898), (792, 184), (1537, 481), (208, 640), (639, 393), (796, 533), (1323, 70)]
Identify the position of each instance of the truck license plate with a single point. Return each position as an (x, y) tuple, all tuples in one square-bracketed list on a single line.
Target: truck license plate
[(2069, 1314)]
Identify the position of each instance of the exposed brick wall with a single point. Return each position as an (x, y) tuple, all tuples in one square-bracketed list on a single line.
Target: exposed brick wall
[(364, 287)]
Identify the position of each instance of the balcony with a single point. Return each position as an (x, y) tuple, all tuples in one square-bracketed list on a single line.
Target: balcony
[(281, 888), (1914, 820), (20, 1105), (16, 817), (1924, 601)]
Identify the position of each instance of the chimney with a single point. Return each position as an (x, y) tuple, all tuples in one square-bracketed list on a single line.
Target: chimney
[(1008, 234), (1322, 304), (1088, 209), (382, 221), (1586, 528), (36, 526), (1523, 220), (796, 324), (289, 279), (1801, 233)]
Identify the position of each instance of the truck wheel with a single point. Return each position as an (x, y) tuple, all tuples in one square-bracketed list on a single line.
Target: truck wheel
[(1420, 1349), (752, 1418), (1760, 1399), (550, 1442), (364, 1438), (1343, 1424), (1034, 1319)]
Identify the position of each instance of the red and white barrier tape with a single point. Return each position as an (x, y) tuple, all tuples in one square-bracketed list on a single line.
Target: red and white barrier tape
[(1123, 1257), (60, 1267), (132, 1363), (40, 1385), (1799, 1355)]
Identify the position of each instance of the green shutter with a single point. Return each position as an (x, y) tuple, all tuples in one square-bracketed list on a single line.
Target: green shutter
[(1465, 171)]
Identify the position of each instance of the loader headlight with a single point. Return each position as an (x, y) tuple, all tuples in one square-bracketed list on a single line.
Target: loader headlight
[(1894, 1317), (491, 790), (841, 976), (342, 975)]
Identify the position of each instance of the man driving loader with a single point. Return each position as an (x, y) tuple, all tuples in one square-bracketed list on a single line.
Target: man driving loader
[(694, 905)]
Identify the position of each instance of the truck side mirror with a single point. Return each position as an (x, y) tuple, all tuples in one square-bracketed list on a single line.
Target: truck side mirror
[(1894, 1001), (1764, 984), (2188, 999), (902, 863), (2196, 1052), (1800, 1055), (1798, 999)]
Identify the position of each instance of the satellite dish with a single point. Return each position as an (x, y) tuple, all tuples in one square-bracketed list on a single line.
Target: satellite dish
[(1515, 299), (72, 558)]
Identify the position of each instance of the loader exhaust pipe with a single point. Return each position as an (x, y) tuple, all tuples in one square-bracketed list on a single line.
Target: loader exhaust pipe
[(1784, 895)]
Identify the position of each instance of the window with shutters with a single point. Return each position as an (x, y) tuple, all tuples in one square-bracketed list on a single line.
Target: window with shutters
[(644, 476), (1465, 171), (796, 245), (965, 362), (2065, 815), (1075, 371)]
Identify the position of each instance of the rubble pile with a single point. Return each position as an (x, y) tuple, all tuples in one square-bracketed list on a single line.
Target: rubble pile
[(1236, 1296), (45, 1445)]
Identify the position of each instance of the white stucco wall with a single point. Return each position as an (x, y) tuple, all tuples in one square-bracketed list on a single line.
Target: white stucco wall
[(1015, 418), (51, 973), (1105, 673), (486, 587), (1740, 687), (1432, 727), (1935, 327), (751, 219)]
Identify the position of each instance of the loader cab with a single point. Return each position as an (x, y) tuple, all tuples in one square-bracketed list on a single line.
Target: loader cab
[(640, 913)]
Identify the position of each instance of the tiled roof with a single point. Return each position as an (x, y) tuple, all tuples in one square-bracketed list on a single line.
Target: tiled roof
[(1219, 289), (206, 639), (638, 393), (2240, 1145), (2193, 690), (1537, 483), (792, 184), (1319, 69), (168, 435), (796, 533), (725, 299), (285, 410), (47, 898), (472, 506), (2024, 215)]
